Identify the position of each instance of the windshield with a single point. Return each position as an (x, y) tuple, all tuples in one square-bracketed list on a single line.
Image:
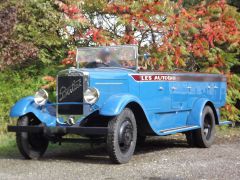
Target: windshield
[(108, 56)]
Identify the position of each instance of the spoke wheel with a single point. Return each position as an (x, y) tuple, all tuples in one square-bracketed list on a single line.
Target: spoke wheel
[(122, 137)]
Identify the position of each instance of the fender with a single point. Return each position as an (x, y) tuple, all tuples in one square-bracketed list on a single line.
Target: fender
[(195, 116), (26, 105), (116, 103)]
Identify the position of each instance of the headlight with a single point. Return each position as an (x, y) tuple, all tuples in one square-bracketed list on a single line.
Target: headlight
[(41, 97), (91, 95)]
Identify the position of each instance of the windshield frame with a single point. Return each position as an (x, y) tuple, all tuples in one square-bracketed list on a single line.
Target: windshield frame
[(136, 55)]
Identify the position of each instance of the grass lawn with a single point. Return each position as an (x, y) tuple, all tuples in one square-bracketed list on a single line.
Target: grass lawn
[(8, 147), (8, 143)]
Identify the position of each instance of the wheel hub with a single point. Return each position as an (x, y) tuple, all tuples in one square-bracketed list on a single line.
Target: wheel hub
[(125, 136), (207, 127)]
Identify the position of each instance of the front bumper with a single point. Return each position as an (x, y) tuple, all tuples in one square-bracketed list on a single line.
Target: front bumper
[(60, 130)]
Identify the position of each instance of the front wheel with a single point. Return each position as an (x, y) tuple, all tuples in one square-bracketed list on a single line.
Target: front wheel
[(30, 145), (204, 136), (122, 137)]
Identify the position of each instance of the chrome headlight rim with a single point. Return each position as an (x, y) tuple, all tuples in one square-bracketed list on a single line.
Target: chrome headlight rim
[(91, 95), (41, 97)]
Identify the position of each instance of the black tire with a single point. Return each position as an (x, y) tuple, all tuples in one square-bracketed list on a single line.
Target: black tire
[(122, 137), (190, 138), (30, 145), (204, 136)]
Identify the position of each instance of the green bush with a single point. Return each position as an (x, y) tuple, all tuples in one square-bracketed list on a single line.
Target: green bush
[(18, 83)]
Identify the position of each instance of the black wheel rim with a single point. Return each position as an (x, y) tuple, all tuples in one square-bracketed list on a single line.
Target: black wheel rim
[(125, 137), (207, 126)]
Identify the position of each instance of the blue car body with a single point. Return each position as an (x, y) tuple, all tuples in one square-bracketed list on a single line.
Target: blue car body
[(169, 102), (111, 101)]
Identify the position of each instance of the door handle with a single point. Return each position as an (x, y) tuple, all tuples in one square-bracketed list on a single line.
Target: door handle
[(174, 88)]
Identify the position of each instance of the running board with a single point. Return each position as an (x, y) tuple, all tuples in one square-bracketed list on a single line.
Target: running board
[(177, 130), (221, 123)]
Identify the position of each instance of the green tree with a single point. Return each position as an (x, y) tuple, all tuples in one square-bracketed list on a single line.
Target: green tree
[(31, 44), (235, 3), (30, 31)]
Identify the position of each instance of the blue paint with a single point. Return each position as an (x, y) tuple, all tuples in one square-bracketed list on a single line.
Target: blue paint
[(167, 103), (116, 103), (178, 130), (27, 105), (195, 115), (21, 107)]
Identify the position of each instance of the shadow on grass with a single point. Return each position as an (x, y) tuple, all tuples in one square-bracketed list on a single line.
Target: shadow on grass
[(97, 154), (87, 153)]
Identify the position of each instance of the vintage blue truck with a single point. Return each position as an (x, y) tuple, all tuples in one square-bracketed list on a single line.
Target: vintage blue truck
[(106, 98)]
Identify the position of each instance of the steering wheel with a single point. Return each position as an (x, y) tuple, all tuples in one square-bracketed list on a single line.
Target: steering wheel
[(95, 64)]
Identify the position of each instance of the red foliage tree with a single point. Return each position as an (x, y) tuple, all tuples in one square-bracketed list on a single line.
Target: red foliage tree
[(204, 38), (11, 51)]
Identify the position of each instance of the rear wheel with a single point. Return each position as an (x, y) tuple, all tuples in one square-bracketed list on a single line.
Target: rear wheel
[(122, 137), (204, 136), (30, 145)]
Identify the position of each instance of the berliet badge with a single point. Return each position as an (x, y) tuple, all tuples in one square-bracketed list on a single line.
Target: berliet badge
[(66, 91)]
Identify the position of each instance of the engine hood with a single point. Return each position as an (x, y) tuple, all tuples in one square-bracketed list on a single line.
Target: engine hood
[(107, 73), (108, 81)]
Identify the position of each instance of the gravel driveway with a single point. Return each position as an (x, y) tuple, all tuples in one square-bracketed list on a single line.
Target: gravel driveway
[(160, 158)]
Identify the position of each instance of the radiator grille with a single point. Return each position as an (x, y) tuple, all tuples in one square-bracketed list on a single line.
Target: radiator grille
[(70, 90)]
